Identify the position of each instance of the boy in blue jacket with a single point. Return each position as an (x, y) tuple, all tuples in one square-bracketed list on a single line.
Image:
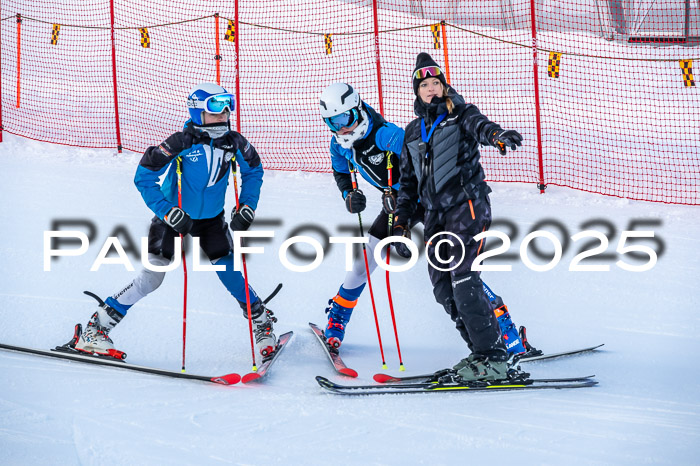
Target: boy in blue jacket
[(364, 142), (205, 152)]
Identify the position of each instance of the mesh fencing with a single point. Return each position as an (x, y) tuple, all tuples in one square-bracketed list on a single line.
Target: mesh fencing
[(603, 91)]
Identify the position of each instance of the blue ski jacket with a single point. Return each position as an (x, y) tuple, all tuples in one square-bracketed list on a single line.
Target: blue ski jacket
[(205, 164)]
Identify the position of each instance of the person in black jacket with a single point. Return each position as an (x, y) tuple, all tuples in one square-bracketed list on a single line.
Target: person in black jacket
[(440, 166)]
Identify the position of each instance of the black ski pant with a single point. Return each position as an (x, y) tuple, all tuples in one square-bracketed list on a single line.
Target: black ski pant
[(460, 289)]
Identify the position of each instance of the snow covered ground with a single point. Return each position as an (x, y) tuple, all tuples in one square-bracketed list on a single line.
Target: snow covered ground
[(645, 410)]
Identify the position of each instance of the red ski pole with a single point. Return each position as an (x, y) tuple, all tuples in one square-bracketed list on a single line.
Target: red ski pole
[(184, 265), (390, 227), (245, 276), (369, 280)]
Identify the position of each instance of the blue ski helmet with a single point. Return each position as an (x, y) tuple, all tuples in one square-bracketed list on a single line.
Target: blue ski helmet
[(209, 97)]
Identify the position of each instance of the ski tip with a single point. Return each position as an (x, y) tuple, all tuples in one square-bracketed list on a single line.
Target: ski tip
[(383, 378), (347, 371), (324, 382), (250, 377), (228, 379)]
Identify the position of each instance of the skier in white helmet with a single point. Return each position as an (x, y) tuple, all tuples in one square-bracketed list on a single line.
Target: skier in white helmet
[(364, 140)]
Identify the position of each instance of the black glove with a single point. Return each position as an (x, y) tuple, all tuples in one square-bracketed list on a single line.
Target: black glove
[(389, 202), (242, 218), (502, 139), (355, 201), (401, 249), (178, 220)]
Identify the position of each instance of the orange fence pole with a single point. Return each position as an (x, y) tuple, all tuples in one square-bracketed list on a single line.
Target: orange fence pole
[(444, 51), (19, 53), (217, 57)]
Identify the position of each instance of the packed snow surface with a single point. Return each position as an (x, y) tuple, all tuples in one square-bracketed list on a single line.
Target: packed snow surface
[(646, 408)]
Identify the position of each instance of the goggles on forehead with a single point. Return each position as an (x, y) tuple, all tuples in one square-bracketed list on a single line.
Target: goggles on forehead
[(427, 72), (342, 120), (215, 104)]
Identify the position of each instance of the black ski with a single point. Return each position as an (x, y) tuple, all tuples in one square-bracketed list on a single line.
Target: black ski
[(385, 378), (332, 353), (540, 357), (527, 384), (62, 352), (268, 361)]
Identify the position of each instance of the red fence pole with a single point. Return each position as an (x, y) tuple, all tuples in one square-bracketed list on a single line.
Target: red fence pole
[(541, 186), (376, 51), (236, 35), (19, 54), (114, 76), (444, 51), (0, 75), (217, 57)]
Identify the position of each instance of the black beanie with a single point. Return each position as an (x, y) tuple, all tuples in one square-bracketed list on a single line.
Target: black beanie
[(422, 61)]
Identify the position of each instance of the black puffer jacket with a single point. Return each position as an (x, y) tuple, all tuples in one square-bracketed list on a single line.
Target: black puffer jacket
[(446, 171)]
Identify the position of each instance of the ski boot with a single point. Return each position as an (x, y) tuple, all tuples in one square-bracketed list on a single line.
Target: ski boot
[(263, 318), (511, 338), (477, 368), (95, 338), (339, 312)]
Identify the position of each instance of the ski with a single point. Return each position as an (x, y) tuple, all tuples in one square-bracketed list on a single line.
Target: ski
[(268, 361), (72, 355), (425, 379), (540, 357), (527, 384), (332, 353), (385, 378)]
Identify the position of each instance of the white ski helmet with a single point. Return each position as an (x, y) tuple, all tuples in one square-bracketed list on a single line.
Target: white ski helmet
[(341, 107), (210, 97)]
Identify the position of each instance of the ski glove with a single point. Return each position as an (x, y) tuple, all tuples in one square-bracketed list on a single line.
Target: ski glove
[(242, 218), (401, 249), (389, 202), (178, 220), (355, 201), (501, 139)]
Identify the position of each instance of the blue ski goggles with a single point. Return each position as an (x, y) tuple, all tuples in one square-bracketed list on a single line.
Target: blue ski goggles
[(216, 103), (342, 120)]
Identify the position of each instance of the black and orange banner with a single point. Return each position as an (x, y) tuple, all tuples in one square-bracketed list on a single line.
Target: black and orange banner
[(328, 40), (553, 64), (230, 34), (145, 38), (435, 28), (687, 69), (54, 34)]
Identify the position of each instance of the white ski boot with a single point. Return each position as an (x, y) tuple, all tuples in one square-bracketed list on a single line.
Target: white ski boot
[(94, 338), (265, 339)]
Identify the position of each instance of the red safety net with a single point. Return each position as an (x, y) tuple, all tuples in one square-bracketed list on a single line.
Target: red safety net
[(603, 91)]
